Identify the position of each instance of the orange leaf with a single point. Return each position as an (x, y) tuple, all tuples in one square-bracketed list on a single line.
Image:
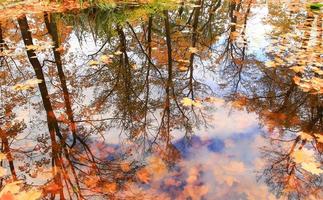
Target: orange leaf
[(143, 175)]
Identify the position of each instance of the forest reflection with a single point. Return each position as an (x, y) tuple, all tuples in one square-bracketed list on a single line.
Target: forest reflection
[(109, 103)]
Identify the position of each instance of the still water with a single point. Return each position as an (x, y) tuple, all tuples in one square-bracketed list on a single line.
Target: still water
[(162, 100)]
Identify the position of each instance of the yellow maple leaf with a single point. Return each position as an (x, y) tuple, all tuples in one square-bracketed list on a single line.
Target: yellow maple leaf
[(298, 69), (12, 187), (318, 71), (118, 53), (31, 83), (183, 61), (303, 156), (193, 50), (20, 87), (182, 68), (105, 59), (93, 62), (312, 167), (189, 102), (306, 136), (31, 47), (319, 138), (32, 194), (270, 64), (13, 190), (2, 156)]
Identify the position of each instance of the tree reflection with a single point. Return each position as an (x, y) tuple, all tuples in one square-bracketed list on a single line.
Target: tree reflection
[(144, 83), (293, 116)]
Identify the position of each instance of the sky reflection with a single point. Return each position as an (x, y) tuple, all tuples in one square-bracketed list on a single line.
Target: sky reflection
[(162, 101)]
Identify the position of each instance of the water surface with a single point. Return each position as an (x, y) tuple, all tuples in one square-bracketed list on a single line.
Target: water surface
[(202, 100)]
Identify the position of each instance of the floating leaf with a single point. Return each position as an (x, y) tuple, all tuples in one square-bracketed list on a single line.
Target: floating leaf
[(234, 35), (60, 49), (12, 187), (41, 46), (31, 83), (2, 156), (317, 70), (118, 53), (125, 167), (195, 6), (156, 166), (52, 188), (193, 50), (105, 59), (319, 138), (183, 61), (306, 136), (3, 171), (93, 63), (189, 102), (298, 69), (143, 175), (182, 68), (270, 64), (297, 80), (312, 167), (31, 47), (110, 187), (303, 156), (32, 194)]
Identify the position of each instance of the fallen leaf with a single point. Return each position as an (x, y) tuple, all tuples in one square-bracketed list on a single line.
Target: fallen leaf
[(3, 171), (189, 102), (306, 136), (105, 59), (182, 68), (12, 188), (110, 187), (143, 175), (52, 188), (319, 138), (303, 156), (270, 64), (312, 167), (298, 69), (93, 62), (26, 85), (125, 167), (32, 194), (2, 156), (118, 53), (193, 50)]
